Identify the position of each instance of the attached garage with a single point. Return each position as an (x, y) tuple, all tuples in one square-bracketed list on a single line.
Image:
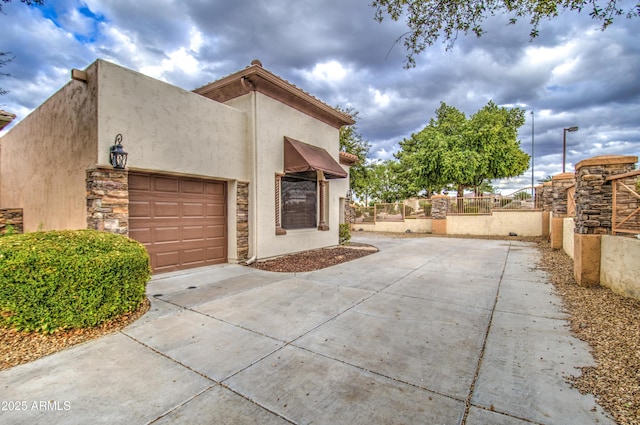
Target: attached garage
[(181, 220)]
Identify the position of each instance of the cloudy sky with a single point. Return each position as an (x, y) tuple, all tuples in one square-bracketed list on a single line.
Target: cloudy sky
[(574, 74)]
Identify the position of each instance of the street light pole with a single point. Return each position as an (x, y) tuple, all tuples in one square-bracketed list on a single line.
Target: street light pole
[(564, 144), (532, 155)]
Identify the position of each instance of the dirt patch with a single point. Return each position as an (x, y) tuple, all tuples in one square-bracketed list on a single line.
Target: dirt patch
[(610, 324)]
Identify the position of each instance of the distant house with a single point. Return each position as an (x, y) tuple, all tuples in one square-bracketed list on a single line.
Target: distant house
[(246, 167)]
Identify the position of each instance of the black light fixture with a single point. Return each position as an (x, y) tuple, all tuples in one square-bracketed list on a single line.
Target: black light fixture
[(118, 157), (564, 144)]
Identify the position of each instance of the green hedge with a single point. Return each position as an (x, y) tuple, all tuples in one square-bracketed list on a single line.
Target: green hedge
[(69, 279), (345, 233)]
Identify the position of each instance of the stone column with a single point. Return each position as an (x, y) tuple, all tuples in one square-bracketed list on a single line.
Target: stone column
[(242, 220), (11, 218), (559, 185), (108, 200), (593, 212), (439, 207)]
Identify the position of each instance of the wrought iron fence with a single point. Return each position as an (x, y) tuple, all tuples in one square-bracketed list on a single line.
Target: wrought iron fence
[(524, 199)]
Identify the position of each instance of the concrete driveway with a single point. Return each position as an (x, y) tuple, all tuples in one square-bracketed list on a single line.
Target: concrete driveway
[(426, 331)]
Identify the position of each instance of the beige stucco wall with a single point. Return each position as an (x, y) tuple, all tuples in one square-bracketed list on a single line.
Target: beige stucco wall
[(169, 129), (619, 265), (45, 156), (500, 223), (568, 225), (274, 121), (418, 225)]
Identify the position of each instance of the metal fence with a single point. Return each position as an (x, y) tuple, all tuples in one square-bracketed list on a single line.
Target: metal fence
[(524, 199), (395, 212)]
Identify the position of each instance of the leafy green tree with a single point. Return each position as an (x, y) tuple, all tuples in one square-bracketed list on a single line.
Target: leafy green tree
[(351, 141), (464, 153), (428, 20), (385, 184)]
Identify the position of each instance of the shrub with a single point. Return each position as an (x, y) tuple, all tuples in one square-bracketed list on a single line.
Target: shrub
[(345, 233), (69, 279)]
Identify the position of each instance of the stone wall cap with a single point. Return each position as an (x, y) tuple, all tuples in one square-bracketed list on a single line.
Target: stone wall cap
[(547, 183), (439, 196), (564, 176), (607, 160)]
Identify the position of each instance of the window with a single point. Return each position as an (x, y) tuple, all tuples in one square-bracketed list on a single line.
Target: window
[(299, 200)]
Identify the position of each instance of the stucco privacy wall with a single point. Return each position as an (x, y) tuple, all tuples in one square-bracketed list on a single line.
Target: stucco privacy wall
[(619, 265), (45, 156), (418, 225), (568, 230), (274, 121), (523, 223), (169, 129)]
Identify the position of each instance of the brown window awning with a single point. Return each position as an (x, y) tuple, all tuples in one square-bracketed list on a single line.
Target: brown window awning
[(300, 157)]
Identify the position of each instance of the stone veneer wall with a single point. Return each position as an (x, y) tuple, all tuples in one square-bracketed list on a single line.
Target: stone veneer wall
[(547, 196), (11, 217), (559, 185), (594, 193), (242, 221), (108, 200), (439, 207)]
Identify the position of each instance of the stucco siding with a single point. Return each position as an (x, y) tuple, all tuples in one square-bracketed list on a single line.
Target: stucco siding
[(276, 120), (619, 265), (169, 129), (523, 223), (45, 156)]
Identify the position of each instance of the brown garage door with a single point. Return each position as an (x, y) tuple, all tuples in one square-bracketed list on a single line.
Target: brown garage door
[(181, 220)]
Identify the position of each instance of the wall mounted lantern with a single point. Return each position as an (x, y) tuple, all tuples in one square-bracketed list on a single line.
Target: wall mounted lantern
[(118, 157)]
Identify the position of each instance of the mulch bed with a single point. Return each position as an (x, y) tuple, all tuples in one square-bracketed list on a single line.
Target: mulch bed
[(316, 259), (22, 347)]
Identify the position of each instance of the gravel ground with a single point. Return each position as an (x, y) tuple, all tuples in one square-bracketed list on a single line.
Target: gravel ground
[(608, 322)]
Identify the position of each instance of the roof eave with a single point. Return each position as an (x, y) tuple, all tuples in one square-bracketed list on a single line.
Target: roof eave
[(255, 77)]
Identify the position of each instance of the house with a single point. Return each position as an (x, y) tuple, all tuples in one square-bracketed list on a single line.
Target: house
[(244, 168)]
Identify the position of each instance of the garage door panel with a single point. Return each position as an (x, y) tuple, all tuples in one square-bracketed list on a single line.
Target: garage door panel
[(193, 209), (166, 234), (166, 184), (215, 189), (181, 221), (139, 182), (142, 235), (213, 253), (216, 210), (167, 260), (193, 256), (193, 233), (166, 209), (193, 187), (139, 209), (215, 232)]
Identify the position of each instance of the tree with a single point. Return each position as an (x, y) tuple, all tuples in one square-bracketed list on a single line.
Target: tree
[(429, 20), (351, 141), (464, 153), (27, 2), (384, 183), (6, 57)]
